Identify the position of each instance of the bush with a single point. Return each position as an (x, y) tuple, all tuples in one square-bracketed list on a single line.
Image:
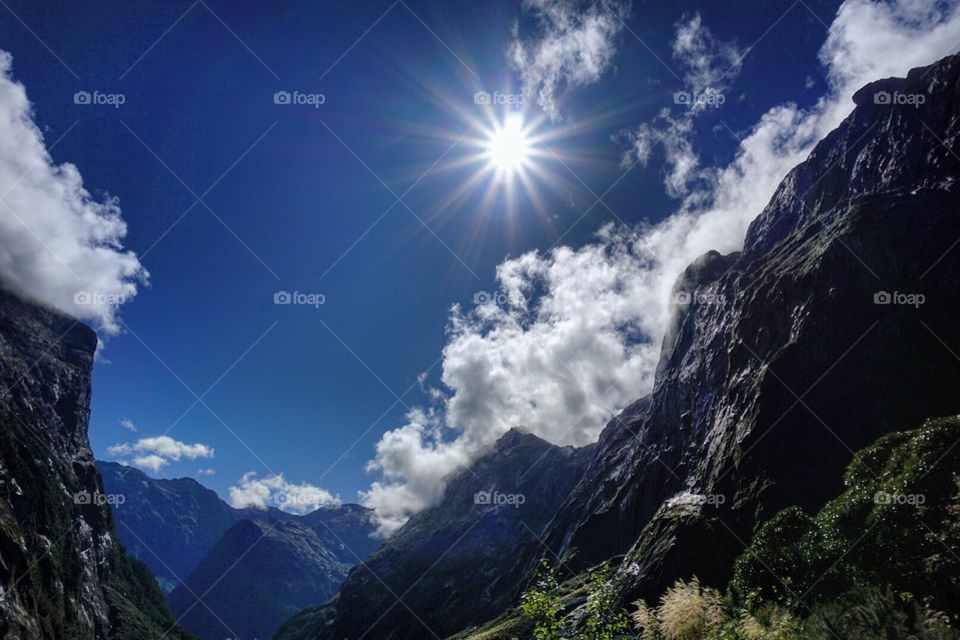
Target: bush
[(541, 605), (603, 620), (896, 524)]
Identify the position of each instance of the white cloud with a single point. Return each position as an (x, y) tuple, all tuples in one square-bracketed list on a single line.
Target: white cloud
[(128, 424), (205, 471), (579, 333), (58, 245), (707, 62), (414, 462), (274, 491), (151, 462), (709, 67), (157, 452), (575, 48)]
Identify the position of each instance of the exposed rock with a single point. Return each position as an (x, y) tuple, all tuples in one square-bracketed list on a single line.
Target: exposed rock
[(62, 573)]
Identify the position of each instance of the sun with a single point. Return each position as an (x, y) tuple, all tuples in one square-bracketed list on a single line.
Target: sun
[(508, 146)]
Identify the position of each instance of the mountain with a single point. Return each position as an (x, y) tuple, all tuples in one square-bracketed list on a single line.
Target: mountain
[(198, 546), (451, 564), (62, 572), (835, 325), (258, 575), (169, 525)]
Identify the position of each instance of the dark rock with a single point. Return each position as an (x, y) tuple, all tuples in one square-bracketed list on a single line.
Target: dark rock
[(454, 564), (62, 572)]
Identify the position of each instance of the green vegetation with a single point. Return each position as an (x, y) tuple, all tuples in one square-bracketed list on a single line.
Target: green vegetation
[(602, 620), (896, 526), (541, 605), (880, 561)]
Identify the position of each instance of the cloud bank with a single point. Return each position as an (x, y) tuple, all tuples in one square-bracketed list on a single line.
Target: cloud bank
[(58, 245), (274, 491), (157, 452), (574, 334)]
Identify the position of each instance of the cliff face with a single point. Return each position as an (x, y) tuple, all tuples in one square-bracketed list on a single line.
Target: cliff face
[(454, 564), (835, 325), (62, 573)]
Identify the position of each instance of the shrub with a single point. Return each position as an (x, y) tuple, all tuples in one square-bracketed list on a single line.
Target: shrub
[(541, 605), (603, 621)]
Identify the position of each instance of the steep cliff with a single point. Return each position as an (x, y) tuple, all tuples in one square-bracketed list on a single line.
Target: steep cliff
[(62, 572), (834, 326)]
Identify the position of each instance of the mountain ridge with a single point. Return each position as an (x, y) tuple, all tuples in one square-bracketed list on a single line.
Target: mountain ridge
[(190, 538)]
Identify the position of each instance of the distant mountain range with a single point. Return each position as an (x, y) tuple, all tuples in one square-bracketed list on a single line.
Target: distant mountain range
[(831, 328), (229, 572)]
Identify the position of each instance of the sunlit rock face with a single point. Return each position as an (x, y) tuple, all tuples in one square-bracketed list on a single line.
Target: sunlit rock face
[(834, 326), (790, 356), (62, 573)]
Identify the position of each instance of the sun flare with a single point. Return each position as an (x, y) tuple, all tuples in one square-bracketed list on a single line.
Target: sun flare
[(508, 148)]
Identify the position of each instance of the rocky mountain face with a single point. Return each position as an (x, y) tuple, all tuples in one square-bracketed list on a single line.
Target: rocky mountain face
[(251, 569), (795, 353), (169, 525), (62, 572), (835, 325), (256, 576), (456, 563)]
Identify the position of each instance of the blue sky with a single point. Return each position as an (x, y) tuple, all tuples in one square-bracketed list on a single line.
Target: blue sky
[(289, 191)]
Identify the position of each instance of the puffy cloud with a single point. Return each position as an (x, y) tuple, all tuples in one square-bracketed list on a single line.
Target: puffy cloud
[(128, 424), (157, 452), (274, 491), (414, 460), (151, 462), (58, 245), (577, 332), (575, 48)]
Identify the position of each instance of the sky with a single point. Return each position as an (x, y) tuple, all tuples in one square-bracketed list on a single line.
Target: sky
[(172, 170)]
